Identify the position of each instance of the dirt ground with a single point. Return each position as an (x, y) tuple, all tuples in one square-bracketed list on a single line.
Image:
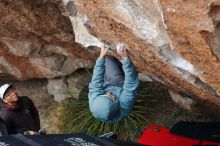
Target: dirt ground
[(165, 111)]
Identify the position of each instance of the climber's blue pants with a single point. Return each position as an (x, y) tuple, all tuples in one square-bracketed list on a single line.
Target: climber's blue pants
[(114, 75)]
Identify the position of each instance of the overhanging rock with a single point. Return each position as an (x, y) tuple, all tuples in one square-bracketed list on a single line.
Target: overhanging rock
[(174, 41)]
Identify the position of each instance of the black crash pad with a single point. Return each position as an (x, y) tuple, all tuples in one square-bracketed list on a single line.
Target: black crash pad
[(60, 140), (198, 130)]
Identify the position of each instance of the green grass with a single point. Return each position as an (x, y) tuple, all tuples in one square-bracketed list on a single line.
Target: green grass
[(74, 116), (153, 105)]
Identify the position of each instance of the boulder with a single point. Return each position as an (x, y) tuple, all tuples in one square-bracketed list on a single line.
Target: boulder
[(174, 41), (37, 41)]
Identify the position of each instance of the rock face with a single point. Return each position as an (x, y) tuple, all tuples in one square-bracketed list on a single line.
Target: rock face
[(175, 42), (68, 87), (37, 41)]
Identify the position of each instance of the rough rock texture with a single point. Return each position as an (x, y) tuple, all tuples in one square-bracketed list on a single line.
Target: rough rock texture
[(175, 41), (37, 41), (70, 86)]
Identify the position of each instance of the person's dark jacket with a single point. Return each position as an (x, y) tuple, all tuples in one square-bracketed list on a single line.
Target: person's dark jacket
[(24, 117)]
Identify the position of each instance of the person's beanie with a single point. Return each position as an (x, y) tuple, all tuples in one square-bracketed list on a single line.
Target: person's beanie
[(104, 108)]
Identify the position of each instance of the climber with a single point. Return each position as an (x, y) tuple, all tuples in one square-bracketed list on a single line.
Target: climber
[(113, 87), (18, 112)]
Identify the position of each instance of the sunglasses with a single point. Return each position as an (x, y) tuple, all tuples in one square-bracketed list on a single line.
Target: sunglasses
[(9, 91)]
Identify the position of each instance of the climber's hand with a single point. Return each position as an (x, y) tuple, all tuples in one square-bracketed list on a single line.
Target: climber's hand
[(122, 51), (104, 51)]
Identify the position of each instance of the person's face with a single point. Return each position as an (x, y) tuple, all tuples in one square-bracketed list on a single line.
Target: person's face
[(11, 95)]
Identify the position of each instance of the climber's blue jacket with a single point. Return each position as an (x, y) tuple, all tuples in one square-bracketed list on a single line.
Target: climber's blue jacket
[(101, 106)]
